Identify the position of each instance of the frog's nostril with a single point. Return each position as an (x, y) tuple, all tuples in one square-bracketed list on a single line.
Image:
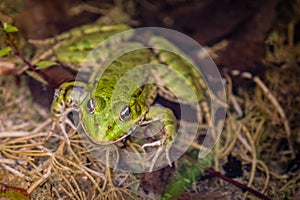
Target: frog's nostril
[(109, 127)]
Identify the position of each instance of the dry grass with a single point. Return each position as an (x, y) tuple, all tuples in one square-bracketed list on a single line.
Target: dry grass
[(50, 169), (264, 138), (54, 170)]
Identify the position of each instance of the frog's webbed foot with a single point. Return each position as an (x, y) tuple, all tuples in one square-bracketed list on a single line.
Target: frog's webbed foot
[(158, 152)]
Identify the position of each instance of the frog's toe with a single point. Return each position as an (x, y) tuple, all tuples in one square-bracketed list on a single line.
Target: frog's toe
[(51, 131), (153, 144), (71, 124), (158, 152), (168, 156), (156, 156), (61, 126), (66, 136)]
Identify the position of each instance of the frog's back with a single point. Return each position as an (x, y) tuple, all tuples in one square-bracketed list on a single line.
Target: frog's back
[(120, 79), (180, 75)]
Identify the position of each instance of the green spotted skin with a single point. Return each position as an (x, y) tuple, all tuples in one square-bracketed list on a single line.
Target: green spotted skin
[(115, 91), (66, 96), (72, 47), (104, 123), (184, 73), (123, 95), (74, 52)]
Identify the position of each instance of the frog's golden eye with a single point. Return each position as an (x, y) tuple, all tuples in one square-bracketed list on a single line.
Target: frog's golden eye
[(125, 114), (90, 106)]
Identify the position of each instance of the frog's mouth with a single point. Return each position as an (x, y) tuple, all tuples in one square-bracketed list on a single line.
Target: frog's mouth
[(131, 130)]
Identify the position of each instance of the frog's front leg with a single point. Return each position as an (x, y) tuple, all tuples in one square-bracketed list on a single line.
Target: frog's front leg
[(66, 100), (169, 122)]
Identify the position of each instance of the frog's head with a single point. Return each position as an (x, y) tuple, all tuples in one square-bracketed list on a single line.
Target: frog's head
[(105, 122)]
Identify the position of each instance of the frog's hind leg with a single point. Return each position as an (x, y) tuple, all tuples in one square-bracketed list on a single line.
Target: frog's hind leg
[(166, 116)]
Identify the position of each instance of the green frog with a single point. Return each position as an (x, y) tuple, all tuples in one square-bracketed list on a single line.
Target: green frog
[(121, 96)]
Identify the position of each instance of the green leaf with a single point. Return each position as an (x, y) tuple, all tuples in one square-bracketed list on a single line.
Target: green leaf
[(9, 28), (13, 195), (5, 51), (45, 64), (186, 173), (36, 77)]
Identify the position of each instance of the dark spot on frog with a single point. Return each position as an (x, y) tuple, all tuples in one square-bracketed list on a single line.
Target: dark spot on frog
[(109, 127), (125, 88)]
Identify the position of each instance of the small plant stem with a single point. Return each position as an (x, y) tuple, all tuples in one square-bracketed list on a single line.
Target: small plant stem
[(27, 62), (229, 180)]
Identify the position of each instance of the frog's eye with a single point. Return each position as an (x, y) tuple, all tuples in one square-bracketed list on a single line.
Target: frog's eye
[(90, 105), (125, 114)]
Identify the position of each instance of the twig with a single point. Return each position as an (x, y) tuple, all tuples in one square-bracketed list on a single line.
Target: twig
[(274, 101), (14, 171), (27, 62), (254, 157), (239, 185), (227, 179), (38, 182), (15, 134)]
